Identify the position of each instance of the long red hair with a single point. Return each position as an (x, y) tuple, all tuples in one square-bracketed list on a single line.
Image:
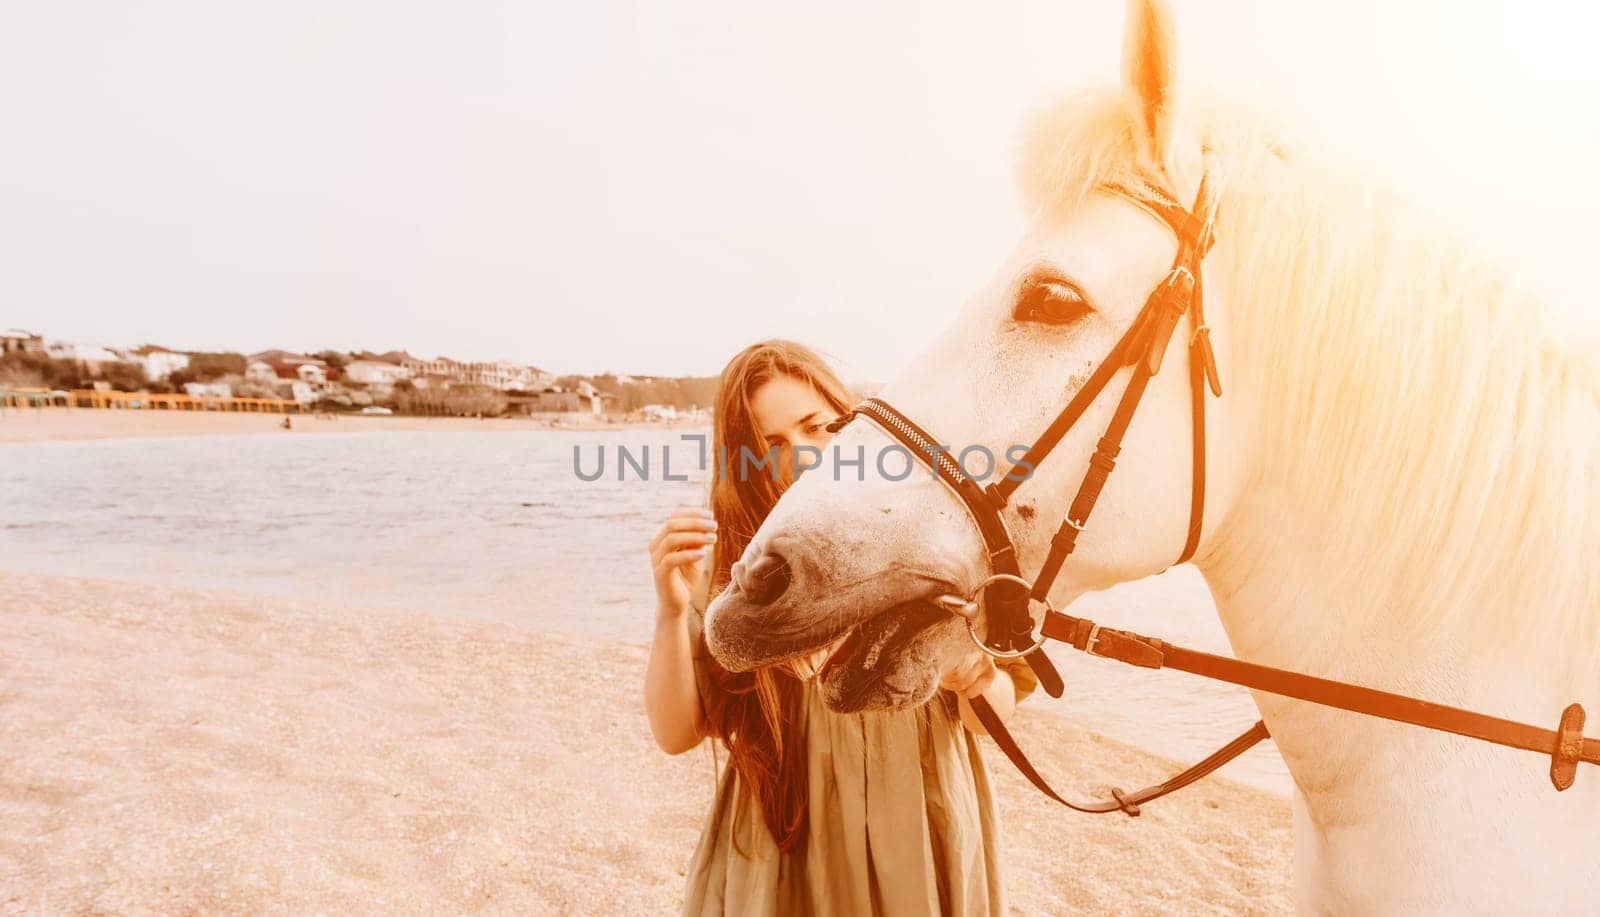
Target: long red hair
[(757, 715)]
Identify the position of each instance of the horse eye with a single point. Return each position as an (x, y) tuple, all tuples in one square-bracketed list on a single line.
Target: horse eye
[(1051, 302)]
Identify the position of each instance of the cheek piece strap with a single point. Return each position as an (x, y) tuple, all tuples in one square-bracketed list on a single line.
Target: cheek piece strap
[(1006, 594)]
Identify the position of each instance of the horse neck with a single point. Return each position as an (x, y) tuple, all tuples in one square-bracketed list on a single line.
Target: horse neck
[(1423, 453), (1432, 528)]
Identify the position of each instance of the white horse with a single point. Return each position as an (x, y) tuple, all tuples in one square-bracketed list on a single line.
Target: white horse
[(1404, 477)]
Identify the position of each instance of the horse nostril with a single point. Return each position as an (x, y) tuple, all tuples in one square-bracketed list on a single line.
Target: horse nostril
[(766, 579)]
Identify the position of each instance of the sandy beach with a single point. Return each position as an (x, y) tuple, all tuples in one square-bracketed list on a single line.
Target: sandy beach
[(22, 425), (186, 751)]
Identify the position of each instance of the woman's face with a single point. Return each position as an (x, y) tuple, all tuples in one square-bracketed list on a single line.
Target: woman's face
[(790, 413)]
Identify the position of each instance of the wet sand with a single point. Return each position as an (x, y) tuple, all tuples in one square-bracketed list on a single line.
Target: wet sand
[(183, 751), (41, 424)]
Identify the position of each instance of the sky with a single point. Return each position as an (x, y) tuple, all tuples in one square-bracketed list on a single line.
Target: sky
[(647, 187)]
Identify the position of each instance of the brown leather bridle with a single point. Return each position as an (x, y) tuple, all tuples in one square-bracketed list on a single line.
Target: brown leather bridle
[(1006, 595)]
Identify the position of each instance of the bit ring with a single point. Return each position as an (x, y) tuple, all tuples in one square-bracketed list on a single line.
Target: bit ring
[(971, 619)]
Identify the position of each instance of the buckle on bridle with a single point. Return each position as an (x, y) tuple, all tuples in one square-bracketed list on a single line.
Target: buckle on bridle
[(1169, 302), (1180, 270), (1093, 640)]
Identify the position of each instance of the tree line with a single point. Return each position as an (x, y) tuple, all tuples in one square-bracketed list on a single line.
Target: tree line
[(36, 370), (684, 393)]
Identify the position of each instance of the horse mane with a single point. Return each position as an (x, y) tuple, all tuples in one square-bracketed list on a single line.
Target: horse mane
[(1415, 401)]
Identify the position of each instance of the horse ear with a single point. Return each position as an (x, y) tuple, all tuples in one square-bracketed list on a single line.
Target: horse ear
[(1149, 81)]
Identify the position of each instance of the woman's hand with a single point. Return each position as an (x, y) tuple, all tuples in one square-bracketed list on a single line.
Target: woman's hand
[(675, 555), (974, 675), (671, 695), (969, 675)]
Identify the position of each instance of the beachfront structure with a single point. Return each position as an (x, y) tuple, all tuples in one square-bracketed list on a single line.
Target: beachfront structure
[(567, 401), (501, 374), (15, 340), (303, 379), (208, 389), (103, 398), (268, 376), (438, 366), (288, 366), (28, 397), (155, 401), (375, 372), (659, 412)]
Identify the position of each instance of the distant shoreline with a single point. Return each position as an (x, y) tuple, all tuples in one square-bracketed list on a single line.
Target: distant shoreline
[(27, 425)]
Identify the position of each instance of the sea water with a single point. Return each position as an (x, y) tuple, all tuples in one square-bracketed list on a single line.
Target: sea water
[(499, 526)]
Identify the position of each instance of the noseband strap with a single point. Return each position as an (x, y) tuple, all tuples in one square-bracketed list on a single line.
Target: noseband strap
[(1144, 347), (1010, 626)]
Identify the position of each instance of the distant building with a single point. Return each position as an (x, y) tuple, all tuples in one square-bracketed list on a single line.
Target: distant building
[(375, 372), (438, 366), (659, 412), (15, 340), (562, 400), (501, 374), (288, 366)]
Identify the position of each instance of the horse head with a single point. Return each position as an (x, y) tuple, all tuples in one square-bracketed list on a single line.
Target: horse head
[(863, 543)]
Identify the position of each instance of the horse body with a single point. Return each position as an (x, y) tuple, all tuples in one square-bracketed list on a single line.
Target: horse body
[(1401, 486), (1390, 818)]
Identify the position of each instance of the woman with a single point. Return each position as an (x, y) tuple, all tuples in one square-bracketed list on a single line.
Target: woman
[(817, 812)]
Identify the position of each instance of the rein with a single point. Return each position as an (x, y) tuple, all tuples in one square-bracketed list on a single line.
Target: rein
[(1006, 595)]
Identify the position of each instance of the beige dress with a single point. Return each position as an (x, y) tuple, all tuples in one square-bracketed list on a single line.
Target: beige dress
[(902, 819)]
